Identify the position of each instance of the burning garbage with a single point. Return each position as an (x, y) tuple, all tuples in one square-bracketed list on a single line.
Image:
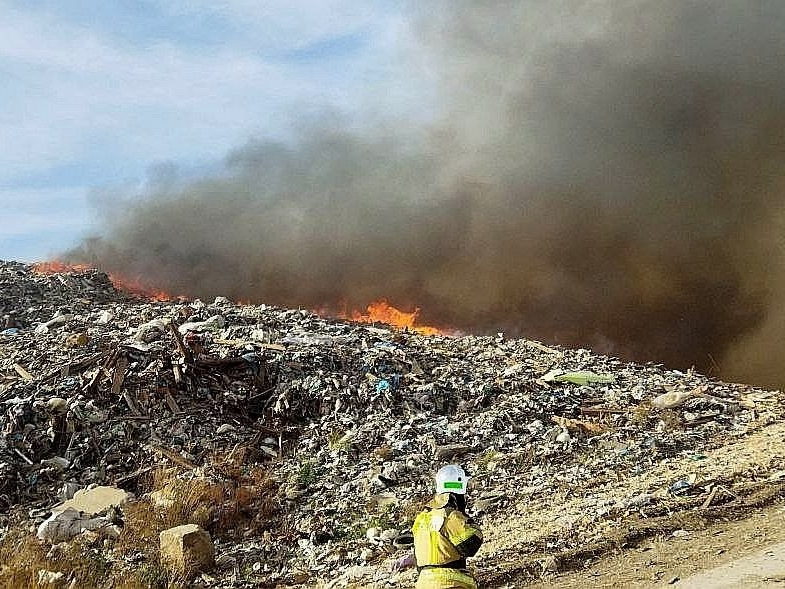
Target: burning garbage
[(301, 447)]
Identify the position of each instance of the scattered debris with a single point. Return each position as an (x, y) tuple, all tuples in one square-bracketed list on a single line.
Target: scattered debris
[(349, 422)]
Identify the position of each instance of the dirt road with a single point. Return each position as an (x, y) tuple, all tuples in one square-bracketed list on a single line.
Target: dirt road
[(749, 553), (762, 569)]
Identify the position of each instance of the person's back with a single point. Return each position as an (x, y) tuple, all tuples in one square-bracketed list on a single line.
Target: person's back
[(444, 536)]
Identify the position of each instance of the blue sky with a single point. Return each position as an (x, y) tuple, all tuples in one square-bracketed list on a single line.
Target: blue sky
[(96, 93)]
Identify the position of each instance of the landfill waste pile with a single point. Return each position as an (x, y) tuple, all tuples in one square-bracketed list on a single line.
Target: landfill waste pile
[(312, 442)]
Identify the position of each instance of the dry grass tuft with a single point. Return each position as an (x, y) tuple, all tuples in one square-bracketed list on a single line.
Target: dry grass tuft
[(235, 503), (642, 413), (237, 499), (82, 563), (22, 556)]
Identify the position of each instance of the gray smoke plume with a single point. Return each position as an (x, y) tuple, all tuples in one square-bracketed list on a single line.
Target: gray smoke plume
[(601, 173)]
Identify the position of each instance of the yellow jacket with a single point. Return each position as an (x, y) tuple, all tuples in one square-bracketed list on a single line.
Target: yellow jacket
[(443, 538)]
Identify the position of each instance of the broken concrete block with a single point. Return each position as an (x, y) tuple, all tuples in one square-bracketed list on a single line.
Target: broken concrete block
[(95, 500), (673, 399), (187, 550)]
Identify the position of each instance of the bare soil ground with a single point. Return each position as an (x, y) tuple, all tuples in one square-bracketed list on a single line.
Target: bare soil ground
[(667, 546), (729, 533), (665, 560)]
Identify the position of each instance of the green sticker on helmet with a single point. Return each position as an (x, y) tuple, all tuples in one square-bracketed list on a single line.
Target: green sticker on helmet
[(449, 485)]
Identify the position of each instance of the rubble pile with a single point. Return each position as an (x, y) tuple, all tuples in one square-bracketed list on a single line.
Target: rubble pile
[(349, 420)]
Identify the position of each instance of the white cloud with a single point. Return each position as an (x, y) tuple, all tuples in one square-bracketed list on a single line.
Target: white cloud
[(28, 211), (290, 24), (80, 105), (35, 225), (72, 92), (39, 223)]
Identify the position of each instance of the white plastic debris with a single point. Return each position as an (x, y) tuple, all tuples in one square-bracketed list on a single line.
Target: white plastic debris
[(214, 322), (64, 525)]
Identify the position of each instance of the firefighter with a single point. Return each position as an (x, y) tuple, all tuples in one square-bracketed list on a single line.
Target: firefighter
[(444, 536)]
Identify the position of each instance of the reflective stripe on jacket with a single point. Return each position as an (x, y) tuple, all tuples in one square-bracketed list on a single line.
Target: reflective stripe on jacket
[(444, 579)]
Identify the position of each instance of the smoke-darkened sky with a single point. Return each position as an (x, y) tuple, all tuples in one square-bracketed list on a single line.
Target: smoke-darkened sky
[(597, 173)]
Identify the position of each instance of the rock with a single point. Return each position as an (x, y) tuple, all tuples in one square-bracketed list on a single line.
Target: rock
[(450, 451), (57, 405), (214, 322), (104, 317), (372, 533), (76, 340), (50, 578), (94, 501), (187, 550), (163, 498), (389, 535)]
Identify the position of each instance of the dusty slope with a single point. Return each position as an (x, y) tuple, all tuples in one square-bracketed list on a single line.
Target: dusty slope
[(745, 471), (571, 457), (748, 554), (630, 550)]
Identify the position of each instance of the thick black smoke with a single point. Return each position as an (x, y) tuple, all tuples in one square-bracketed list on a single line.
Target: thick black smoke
[(601, 173)]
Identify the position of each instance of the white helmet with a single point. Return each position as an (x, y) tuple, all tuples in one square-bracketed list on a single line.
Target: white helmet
[(451, 479)]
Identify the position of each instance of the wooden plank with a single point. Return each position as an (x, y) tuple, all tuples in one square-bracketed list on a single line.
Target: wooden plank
[(134, 475), (174, 457), (22, 372), (129, 400), (710, 498), (173, 406), (91, 386), (242, 342), (119, 374), (543, 348), (75, 367), (178, 340), (23, 457)]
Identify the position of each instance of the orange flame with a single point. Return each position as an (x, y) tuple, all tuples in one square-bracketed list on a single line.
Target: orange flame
[(134, 286), (382, 312)]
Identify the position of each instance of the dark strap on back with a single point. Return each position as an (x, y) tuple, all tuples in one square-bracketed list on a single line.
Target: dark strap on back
[(456, 564)]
